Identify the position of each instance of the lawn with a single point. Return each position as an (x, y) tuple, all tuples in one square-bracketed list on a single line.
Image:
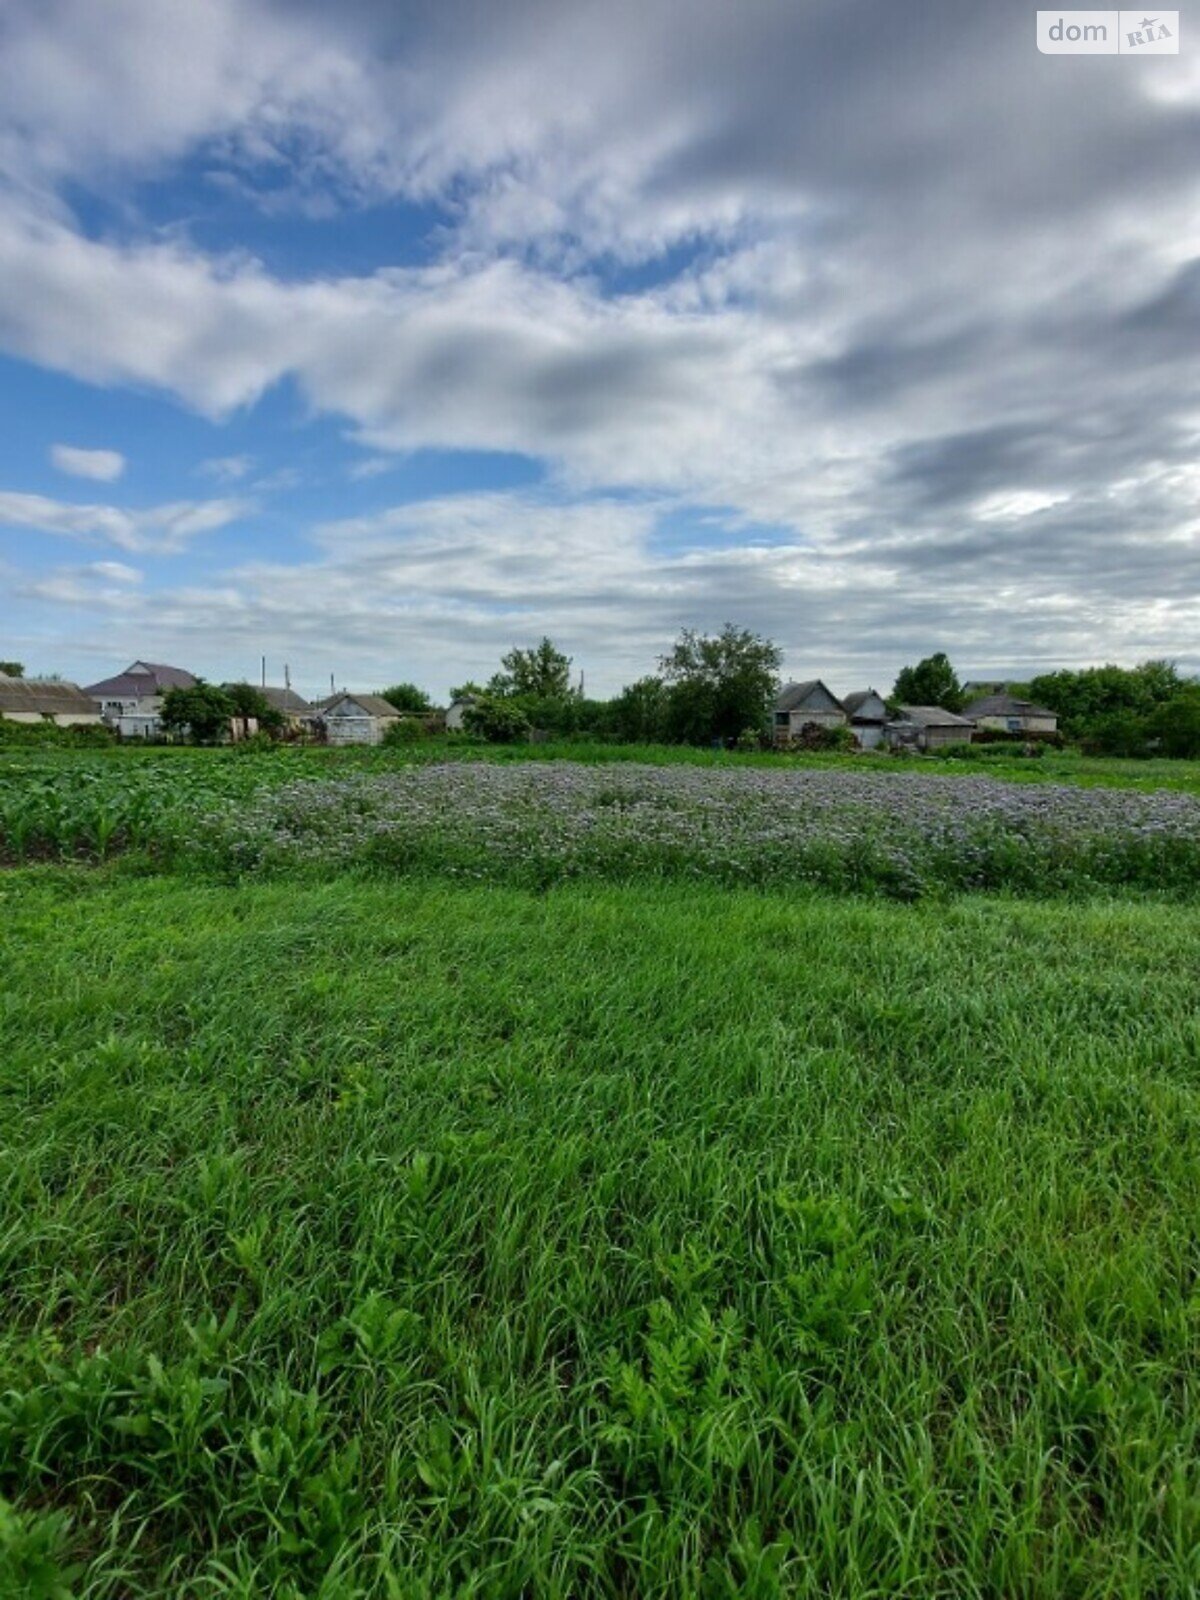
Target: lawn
[(404, 1237)]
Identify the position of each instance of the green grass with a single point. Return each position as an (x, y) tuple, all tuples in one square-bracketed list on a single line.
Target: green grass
[(409, 1239)]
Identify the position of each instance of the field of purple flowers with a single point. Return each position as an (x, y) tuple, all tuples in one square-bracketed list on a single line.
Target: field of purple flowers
[(902, 833)]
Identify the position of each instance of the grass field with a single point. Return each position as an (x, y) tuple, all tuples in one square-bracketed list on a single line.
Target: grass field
[(405, 1238)]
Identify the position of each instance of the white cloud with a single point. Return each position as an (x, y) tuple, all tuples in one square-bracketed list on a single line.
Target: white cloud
[(227, 469), (164, 530), (105, 466), (371, 467), (436, 591), (888, 339)]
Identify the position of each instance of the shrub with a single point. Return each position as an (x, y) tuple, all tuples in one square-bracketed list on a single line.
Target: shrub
[(409, 730), (1003, 736), (86, 736), (814, 737), (497, 720), (1007, 749)]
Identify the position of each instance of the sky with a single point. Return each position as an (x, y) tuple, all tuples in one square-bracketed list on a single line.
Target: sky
[(377, 338)]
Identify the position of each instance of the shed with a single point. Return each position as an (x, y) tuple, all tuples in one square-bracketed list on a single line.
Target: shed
[(868, 714), (927, 728), (357, 718), (799, 705)]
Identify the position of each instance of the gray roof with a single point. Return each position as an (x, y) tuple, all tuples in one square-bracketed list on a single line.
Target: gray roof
[(48, 697), (142, 678), (286, 701), (794, 695), (1006, 705), (931, 717), (852, 703), (373, 704)]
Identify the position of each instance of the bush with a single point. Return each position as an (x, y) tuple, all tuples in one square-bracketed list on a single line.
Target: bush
[(814, 737), (496, 719), (1054, 741), (408, 730), (86, 736), (1007, 749)]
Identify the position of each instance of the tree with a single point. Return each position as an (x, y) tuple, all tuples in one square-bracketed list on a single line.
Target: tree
[(251, 702), (1085, 699), (932, 682), (638, 715), (718, 686), (1175, 724), (12, 669), (497, 719), (203, 711), (406, 697), (542, 671)]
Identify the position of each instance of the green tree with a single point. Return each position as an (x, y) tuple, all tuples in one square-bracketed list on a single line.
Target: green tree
[(251, 702), (541, 671), (202, 712), (1175, 724), (932, 682), (466, 690), (12, 669), (406, 697), (719, 685), (638, 715), (497, 719), (1086, 698)]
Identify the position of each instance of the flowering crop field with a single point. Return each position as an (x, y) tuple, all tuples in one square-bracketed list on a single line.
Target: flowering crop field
[(903, 833), (871, 827)]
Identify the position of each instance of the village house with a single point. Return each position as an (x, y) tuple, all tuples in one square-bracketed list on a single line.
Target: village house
[(927, 728), (1011, 715), (868, 715), (296, 712), (132, 701), (799, 705), (37, 700), (357, 718), (293, 708)]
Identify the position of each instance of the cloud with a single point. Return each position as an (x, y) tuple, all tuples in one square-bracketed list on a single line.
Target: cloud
[(227, 469), (105, 466), (437, 590), (161, 530), (902, 309)]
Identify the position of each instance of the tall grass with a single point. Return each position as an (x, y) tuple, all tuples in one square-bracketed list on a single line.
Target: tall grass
[(411, 1239)]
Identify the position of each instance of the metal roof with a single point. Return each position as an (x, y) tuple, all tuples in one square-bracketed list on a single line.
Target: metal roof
[(931, 717), (793, 695), (48, 697), (852, 702), (141, 679), (1006, 705)]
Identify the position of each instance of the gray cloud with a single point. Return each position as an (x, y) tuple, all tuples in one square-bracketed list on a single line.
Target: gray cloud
[(934, 325)]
